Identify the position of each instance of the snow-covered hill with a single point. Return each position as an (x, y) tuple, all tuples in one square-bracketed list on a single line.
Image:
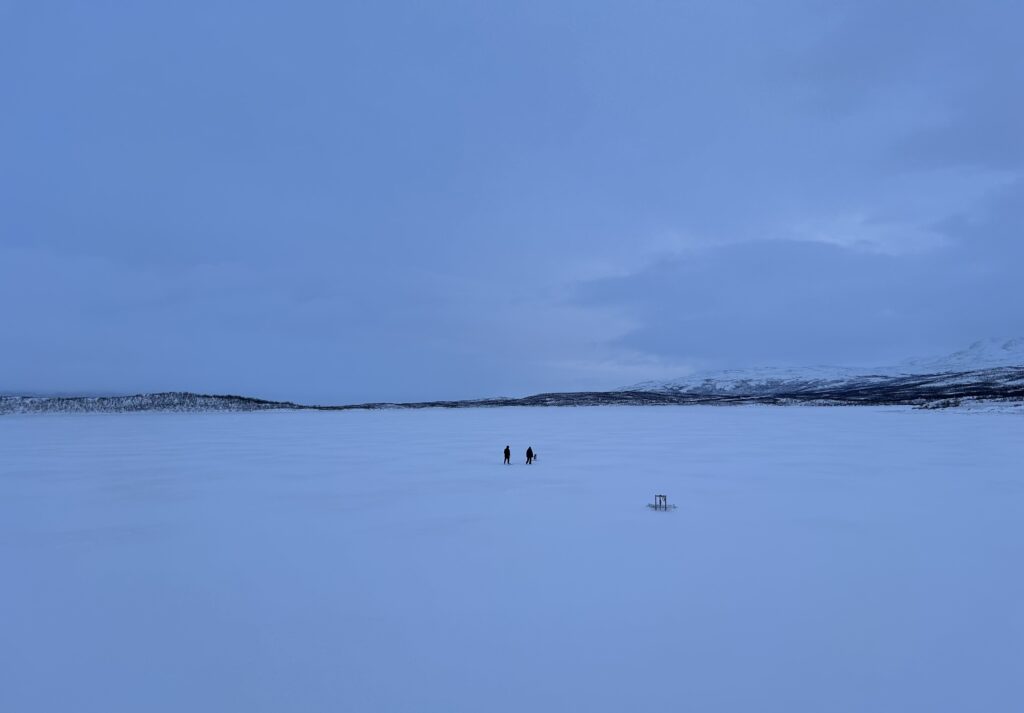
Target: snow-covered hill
[(169, 401), (990, 364), (984, 354)]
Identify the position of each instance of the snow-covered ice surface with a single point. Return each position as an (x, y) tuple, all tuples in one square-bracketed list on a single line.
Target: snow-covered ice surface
[(821, 559)]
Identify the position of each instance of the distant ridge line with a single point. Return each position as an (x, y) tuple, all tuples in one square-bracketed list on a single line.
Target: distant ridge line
[(935, 390)]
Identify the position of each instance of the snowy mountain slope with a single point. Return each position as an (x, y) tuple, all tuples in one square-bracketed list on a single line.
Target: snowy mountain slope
[(990, 365), (984, 354)]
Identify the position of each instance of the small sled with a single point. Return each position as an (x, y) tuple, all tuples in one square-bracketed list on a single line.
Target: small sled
[(661, 503)]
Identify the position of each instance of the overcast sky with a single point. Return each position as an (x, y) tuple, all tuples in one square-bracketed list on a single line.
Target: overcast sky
[(337, 202)]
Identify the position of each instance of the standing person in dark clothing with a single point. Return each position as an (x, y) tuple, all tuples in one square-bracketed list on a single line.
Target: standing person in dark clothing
[(508, 456), (529, 455)]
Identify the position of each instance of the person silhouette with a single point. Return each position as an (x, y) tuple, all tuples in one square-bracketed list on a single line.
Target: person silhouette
[(508, 455), (529, 455)]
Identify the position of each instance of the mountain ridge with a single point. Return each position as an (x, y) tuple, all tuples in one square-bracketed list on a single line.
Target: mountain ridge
[(981, 356), (1005, 384), (994, 373)]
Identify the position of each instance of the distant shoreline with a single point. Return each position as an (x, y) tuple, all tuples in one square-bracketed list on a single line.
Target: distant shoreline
[(942, 390)]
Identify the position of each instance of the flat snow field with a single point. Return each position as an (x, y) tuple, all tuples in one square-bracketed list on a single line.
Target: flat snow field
[(820, 559)]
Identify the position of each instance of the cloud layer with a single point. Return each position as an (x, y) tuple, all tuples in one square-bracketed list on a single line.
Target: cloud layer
[(400, 201)]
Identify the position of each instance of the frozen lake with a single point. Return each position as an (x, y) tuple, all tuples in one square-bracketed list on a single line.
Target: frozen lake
[(820, 559)]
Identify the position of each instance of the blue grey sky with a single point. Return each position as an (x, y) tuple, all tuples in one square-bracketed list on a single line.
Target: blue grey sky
[(349, 201)]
